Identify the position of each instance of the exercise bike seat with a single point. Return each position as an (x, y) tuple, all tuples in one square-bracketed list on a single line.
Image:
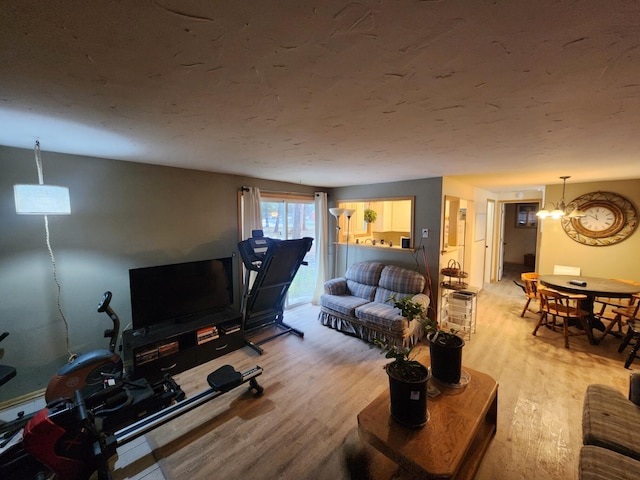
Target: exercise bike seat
[(224, 379)]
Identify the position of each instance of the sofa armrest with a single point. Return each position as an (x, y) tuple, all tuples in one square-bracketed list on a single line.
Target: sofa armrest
[(422, 299), (336, 286)]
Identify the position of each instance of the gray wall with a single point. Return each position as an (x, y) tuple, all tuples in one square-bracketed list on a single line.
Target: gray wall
[(427, 214), (124, 215)]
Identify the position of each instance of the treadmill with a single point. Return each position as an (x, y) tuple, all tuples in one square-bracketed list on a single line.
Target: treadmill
[(274, 264)]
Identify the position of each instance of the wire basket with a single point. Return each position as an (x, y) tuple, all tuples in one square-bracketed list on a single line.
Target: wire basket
[(454, 271)]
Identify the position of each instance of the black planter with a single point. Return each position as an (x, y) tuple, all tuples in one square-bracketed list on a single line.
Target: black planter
[(446, 360), (409, 398)]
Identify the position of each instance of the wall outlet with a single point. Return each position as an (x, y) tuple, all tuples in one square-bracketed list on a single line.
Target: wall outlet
[(425, 233)]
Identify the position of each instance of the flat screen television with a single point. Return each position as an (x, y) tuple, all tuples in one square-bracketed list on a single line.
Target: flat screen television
[(180, 292)]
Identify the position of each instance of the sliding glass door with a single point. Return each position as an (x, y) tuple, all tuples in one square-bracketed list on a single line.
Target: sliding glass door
[(288, 218)]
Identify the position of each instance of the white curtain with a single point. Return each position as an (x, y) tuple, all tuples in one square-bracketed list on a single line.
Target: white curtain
[(251, 211), (321, 244)]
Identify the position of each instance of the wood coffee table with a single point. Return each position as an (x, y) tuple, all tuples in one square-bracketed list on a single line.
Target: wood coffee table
[(462, 422)]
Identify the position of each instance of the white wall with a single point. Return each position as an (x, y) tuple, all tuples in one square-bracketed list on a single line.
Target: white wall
[(476, 201)]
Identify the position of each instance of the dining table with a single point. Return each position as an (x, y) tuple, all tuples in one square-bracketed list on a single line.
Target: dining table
[(591, 287)]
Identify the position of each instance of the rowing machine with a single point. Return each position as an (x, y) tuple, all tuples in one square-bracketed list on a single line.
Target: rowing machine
[(68, 438)]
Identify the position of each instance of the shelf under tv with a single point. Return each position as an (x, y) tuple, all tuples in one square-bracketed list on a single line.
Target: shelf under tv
[(174, 347)]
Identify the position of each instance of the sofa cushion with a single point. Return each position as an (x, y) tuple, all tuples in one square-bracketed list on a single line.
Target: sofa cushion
[(381, 316), (599, 463), (343, 304), (367, 273), (366, 292), (610, 420), (398, 281), (383, 296)]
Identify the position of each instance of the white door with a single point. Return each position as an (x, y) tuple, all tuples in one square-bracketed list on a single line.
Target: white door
[(489, 242), (501, 243)]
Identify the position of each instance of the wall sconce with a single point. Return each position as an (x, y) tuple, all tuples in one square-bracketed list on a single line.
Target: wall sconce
[(560, 209)]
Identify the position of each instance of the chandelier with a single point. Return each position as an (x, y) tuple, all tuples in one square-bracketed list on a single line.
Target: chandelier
[(560, 209)]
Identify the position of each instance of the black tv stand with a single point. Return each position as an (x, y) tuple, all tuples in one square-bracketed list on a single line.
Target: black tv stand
[(175, 347)]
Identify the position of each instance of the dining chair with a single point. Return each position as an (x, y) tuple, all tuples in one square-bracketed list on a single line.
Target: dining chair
[(530, 287), (567, 307), (633, 334), (627, 309), (609, 303), (566, 270)]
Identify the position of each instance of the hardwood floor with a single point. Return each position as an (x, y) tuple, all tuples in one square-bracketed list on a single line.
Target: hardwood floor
[(314, 387)]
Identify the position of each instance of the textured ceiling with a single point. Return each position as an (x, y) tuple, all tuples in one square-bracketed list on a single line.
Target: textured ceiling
[(511, 93)]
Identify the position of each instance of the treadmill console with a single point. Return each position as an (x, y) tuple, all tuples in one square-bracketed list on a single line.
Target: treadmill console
[(253, 250)]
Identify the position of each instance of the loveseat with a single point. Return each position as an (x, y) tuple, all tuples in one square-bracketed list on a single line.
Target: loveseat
[(611, 433), (358, 303)]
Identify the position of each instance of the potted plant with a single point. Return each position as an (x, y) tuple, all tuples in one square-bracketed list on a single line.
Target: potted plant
[(445, 349), (370, 215), (408, 378)]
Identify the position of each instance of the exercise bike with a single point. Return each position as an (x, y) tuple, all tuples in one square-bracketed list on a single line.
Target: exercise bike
[(87, 372), (7, 372), (77, 433), (15, 462)]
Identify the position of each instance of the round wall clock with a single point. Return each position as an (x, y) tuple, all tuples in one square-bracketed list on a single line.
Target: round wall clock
[(609, 219)]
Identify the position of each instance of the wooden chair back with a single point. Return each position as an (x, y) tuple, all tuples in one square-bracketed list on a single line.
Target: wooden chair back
[(615, 303), (530, 287), (530, 282), (566, 270), (556, 304), (559, 304), (628, 309), (631, 310)]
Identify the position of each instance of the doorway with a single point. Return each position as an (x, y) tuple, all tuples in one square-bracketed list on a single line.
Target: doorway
[(518, 235), (489, 245), (289, 217)]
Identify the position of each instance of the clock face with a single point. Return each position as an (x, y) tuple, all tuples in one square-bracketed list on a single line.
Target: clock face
[(602, 219), (609, 219), (598, 219)]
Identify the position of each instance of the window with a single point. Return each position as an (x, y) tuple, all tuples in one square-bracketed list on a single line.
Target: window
[(526, 215), (287, 217), (388, 219)]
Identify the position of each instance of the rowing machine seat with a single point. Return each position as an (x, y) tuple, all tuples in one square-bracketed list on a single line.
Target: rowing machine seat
[(224, 379)]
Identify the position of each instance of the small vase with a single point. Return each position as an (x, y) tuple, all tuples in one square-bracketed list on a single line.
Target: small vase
[(446, 360), (409, 398)]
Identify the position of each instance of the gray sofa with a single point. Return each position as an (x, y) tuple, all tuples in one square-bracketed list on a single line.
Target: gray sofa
[(358, 303), (611, 433)]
